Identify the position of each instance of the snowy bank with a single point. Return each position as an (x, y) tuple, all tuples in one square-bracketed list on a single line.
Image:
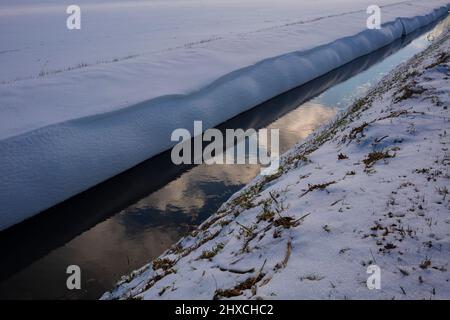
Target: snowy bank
[(371, 187), (67, 129)]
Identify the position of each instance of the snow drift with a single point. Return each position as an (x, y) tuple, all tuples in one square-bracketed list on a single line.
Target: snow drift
[(60, 136), (367, 190)]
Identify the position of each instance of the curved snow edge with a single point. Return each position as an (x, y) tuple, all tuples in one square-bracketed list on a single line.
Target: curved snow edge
[(51, 164)]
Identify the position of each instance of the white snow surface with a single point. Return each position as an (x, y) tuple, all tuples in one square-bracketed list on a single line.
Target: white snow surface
[(311, 231), (78, 107)]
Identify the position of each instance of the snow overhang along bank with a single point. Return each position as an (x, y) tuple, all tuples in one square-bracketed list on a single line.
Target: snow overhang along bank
[(50, 164)]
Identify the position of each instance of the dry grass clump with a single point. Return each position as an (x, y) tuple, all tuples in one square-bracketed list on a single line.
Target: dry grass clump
[(443, 57), (237, 290), (164, 264), (320, 186), (267, 214), (376, 156), (407, 92), (209, 254), (358, 130)]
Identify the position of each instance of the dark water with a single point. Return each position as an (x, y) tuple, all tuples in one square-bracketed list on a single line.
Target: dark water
[(125, 222)]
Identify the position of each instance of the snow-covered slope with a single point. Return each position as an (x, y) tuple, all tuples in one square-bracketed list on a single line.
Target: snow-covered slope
[(77, 107), (370, 188)]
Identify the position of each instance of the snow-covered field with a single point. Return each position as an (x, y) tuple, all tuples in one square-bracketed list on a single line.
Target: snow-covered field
[(370, 188), (80, 106)]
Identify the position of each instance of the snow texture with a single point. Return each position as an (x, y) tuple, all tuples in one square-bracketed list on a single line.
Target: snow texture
[(78, 107), (369, 188)]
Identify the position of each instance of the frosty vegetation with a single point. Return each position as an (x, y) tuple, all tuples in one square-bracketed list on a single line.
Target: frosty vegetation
[(371, 187)]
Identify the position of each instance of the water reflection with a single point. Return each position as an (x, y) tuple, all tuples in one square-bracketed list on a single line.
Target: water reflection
[(301, 123), (196, 194), (121, 224)]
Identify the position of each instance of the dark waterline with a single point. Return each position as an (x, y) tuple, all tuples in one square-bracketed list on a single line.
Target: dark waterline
[(126, 221)]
